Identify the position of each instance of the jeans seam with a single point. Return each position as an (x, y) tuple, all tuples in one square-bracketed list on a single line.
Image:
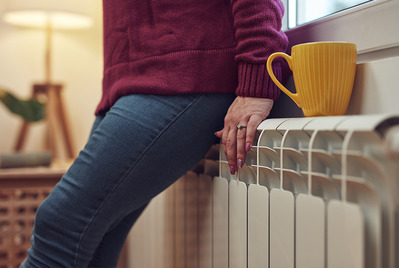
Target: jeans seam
[(128, 171)]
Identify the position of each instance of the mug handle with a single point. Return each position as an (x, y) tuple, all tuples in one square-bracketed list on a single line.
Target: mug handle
[(293, 96)]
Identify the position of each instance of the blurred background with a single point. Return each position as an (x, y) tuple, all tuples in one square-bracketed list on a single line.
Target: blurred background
[(76, 64)]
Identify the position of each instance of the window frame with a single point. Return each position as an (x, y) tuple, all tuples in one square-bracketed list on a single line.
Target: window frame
[(371, 26), (333, 15)]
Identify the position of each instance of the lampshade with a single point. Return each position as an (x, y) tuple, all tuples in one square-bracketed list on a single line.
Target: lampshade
[(60, 14)]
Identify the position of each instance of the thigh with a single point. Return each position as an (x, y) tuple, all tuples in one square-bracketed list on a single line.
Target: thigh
[(143, 144)]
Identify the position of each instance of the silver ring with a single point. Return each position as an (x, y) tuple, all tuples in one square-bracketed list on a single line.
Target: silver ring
[(239, 126)]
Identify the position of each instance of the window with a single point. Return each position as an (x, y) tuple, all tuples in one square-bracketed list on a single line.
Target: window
[(371, 24), (300, 12)]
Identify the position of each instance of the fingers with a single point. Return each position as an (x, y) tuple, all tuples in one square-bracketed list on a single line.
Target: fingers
[(229, 145), (230, 148), (237, 141), (252, 125), (241, 139), (219, 133), (245, 139), (233, 142)]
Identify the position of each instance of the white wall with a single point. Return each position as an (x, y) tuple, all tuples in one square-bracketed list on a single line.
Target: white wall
[(77, 63)]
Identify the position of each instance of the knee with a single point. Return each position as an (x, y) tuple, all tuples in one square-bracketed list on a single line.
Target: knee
[(45, 216)]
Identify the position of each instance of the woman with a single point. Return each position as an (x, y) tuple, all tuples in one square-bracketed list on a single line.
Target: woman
[(174, 72)]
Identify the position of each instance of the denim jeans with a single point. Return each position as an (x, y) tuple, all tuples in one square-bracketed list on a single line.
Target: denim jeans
[(135, 151)]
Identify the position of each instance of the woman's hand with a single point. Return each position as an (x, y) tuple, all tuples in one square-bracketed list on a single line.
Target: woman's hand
[(246, 111)]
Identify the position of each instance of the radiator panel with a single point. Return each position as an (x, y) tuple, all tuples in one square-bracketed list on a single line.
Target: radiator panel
[(220, 222), (282, 209), (237, 224), (310, 231), (258, 226), (345, 235)]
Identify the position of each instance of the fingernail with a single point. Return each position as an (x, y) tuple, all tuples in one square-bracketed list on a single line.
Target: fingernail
[(232, 170), (239, 163), (247, 147)]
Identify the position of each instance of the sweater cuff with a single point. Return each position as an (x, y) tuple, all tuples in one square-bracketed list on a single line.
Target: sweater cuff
[(254, 80)]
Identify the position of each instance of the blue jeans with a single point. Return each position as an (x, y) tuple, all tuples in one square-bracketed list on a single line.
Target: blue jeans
[(136, 150)]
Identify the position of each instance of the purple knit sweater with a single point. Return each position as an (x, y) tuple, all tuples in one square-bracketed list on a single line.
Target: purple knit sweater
[(190, 46)]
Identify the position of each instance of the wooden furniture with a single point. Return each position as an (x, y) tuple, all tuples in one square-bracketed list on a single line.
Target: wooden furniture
[(21, 192)]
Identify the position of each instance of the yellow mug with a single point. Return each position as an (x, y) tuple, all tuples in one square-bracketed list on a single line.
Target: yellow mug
[(324, 73)]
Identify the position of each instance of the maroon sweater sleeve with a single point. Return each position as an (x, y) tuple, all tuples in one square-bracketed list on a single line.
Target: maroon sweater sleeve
[(258, 33)]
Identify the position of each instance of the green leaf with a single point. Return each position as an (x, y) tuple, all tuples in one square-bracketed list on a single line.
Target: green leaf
[(31, 110)]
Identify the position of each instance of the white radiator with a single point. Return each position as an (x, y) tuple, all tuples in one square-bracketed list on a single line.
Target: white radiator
[(315, 192)]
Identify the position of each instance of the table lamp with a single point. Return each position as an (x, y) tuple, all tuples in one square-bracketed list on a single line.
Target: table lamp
[(49, 15)]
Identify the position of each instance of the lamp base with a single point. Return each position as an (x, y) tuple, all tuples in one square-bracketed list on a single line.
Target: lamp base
[(55, 119)]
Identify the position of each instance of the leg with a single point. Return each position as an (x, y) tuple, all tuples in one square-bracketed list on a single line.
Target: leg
[(143, 144), (107, 253)]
